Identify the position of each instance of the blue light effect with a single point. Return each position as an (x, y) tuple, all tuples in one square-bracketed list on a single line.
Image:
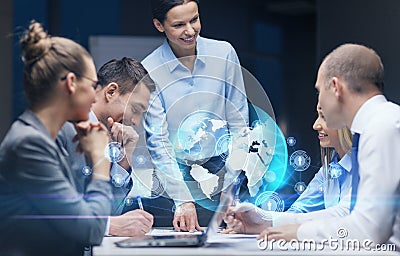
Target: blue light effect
[(275, 171)]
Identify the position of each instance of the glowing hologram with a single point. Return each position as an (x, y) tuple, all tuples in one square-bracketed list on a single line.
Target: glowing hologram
[(335, 170), (300, 161), (291, 141), (299, 187), (200, 135), (223, 145), (256, 123), (117, 180), (129, 201), (269, 201), (114, 152), (140, 160), (87, 171), (188, 136), (257, 150), (223, 157), (159, 184), (270, 176)]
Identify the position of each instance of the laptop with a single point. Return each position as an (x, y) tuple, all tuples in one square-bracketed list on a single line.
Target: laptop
[(186, 239)]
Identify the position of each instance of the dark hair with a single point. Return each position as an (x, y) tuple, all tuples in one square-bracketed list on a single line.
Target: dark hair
[(45, 59), (160, 8), (126, 73)]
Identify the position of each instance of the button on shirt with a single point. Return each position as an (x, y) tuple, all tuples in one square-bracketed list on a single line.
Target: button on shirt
[(214, 90), (376, 213)]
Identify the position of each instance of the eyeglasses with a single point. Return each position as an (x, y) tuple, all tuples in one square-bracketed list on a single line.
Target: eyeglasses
[(95, 83)]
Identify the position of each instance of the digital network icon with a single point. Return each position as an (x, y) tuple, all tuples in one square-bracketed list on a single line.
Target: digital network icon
[(118, 180), (269, 201), (335, 170), (129, 201), (299, 187), (86, 170), (114, 152), (291, 141), (140, 159), (299, 160)]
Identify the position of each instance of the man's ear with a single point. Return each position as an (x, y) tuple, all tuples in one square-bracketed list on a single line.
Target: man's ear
[(337, 86), (159, 26), (111, 91)]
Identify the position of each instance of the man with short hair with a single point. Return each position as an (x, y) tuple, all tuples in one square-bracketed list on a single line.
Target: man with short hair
[(120, 102), (350, 85)]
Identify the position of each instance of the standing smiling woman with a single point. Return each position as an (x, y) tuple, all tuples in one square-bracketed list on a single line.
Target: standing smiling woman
[(41, 211), (198, 80)]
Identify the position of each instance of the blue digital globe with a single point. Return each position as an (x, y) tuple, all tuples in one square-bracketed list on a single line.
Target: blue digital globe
[(273, 154), (201, 135)]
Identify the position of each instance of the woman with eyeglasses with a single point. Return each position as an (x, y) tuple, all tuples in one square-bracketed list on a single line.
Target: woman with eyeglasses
[(41, 211)]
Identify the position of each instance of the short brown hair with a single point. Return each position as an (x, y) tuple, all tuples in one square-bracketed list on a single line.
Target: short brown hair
[(356, 64), (127, 73)]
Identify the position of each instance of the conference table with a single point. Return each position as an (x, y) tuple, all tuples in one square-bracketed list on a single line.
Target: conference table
[(221, 245)]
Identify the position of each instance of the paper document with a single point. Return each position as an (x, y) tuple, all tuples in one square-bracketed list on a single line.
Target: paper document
[(170, 232)]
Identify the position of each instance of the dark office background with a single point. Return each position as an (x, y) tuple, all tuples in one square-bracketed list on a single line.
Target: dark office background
[(281, 42)]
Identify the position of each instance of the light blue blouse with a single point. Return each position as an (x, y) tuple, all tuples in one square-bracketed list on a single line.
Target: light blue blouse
[(326, 190), (214, 91)]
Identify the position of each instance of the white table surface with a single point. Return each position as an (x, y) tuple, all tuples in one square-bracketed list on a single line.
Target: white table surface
[(219, 246)]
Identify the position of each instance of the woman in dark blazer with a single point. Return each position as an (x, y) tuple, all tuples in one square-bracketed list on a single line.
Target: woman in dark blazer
[(40, 209)]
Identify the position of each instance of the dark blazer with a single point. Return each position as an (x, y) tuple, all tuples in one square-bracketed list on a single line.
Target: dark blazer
[(41, 212), (78, 162)]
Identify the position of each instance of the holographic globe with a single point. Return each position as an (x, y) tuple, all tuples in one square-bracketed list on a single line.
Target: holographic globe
[(201, 135)]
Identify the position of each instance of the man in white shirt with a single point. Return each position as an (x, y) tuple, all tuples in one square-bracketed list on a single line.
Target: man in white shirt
[(121, 100), (350, 85)]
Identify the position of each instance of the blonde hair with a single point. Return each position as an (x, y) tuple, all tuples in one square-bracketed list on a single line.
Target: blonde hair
[(345, 140), (45, 59)]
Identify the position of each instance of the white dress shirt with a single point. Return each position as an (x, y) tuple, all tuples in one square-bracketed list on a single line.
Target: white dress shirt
[(376, 212), (115, 169)]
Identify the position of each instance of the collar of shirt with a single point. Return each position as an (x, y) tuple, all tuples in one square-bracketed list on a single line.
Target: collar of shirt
[(364, 113), (344, 163), (92, 116), (173, 62)]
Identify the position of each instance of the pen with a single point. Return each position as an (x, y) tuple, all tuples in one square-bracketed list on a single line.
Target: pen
[(236, 190), (139, 201)]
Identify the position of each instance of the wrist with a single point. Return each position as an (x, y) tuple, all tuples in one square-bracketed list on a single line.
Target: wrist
[(100, 176), (96, 157), (113, 229), (101, 170)]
